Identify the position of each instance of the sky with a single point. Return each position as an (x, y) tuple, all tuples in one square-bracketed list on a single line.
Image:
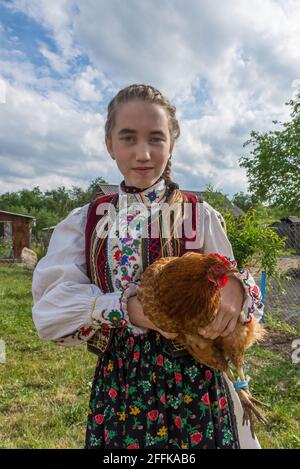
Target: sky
[(228, 67)]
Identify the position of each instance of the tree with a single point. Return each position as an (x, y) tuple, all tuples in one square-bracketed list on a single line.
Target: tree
[(218, 200), (49, 207), (273, 166), (245, 201), (93, 188)]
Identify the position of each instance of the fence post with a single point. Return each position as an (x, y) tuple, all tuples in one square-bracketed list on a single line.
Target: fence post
[(263, 281)]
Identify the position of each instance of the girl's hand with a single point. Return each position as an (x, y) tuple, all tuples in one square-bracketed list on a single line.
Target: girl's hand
[(137, 317), (232, 296)]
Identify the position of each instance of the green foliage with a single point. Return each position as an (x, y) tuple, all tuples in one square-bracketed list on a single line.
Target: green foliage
[(218, 200), (245, 201), (253, 242), (266, 213), (273, 166), (40, 252), (50, 207), (5, 249)]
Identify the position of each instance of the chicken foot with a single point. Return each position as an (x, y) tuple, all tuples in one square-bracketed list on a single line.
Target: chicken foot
[(248, 402)]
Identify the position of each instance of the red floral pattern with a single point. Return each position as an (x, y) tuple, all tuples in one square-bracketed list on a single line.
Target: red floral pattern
[(151, 400)]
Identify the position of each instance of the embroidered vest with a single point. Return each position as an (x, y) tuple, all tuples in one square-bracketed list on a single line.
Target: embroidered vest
[(152, 249)]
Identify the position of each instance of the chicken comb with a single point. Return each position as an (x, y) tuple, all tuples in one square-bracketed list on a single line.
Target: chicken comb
[(222, 258)]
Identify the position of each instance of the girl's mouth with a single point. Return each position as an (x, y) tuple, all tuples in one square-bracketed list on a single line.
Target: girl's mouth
[(142, 170)]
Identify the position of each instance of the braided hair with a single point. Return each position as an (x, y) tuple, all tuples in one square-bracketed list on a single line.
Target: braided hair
[(153, 95)]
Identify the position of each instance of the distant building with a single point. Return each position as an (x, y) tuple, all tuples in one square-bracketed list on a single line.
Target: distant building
[(15, 230), (290, 228)]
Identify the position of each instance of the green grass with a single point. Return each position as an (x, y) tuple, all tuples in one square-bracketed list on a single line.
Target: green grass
[(44, 388), (275, 381)]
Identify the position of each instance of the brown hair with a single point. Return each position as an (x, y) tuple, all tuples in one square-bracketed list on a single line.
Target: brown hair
[(150, 94)]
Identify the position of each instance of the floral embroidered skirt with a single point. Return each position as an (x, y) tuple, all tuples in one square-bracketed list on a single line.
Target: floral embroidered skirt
[(142, 397)]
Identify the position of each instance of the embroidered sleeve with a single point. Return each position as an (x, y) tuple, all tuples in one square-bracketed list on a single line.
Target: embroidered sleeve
[(253, 305), (67, 308), (104, 310), (118, 316)]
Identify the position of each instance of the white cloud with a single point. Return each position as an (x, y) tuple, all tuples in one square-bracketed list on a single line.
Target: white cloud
[(228, 67), (55, 60), (56, 16), (53, 143), (85, 86)]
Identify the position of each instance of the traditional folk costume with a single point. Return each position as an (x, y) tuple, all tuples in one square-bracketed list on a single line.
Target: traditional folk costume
[(145, 394)]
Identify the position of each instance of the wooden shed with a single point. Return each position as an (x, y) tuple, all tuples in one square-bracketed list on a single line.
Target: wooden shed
[(15, 228)]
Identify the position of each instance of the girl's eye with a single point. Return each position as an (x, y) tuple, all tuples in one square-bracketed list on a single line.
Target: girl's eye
[(127, 138), (157, 139), (131, 139)]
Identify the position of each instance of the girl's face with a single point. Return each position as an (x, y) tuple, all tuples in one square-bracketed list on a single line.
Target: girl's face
[(140, 139)]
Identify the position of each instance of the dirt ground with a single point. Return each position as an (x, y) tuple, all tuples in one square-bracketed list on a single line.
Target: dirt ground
[(279, 342), (284, 298), (285, 302), (292, 262)]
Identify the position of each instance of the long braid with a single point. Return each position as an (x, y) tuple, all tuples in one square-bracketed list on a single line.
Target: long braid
[(167, 172)]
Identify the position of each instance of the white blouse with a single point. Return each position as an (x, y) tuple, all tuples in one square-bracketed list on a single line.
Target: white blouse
[(68, 308)]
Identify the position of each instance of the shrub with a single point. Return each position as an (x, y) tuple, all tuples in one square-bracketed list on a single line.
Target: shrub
[(253, 243)]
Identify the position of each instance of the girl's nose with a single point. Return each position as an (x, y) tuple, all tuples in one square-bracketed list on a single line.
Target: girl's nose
[(143, 152)]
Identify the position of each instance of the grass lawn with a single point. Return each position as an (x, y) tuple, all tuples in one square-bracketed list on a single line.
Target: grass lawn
[(44, 388)]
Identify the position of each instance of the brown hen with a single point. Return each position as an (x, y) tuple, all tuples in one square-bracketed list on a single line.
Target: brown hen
[(181, 294)]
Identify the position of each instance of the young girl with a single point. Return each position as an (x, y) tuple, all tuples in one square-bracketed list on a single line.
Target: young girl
[(144, 395)]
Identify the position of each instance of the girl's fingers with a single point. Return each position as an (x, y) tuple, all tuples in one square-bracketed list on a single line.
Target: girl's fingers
[(218, 323), (223, 325), (168, 335), (215, 328), (214, 334), (230, 328)]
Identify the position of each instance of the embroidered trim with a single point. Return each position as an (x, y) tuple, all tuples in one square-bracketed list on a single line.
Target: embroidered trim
[(93, 309), (129, 291)]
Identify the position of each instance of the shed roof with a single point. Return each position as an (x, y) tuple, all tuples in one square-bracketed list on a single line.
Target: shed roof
[(48, 228), (292, 219), (108, 188), (17, 214)]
